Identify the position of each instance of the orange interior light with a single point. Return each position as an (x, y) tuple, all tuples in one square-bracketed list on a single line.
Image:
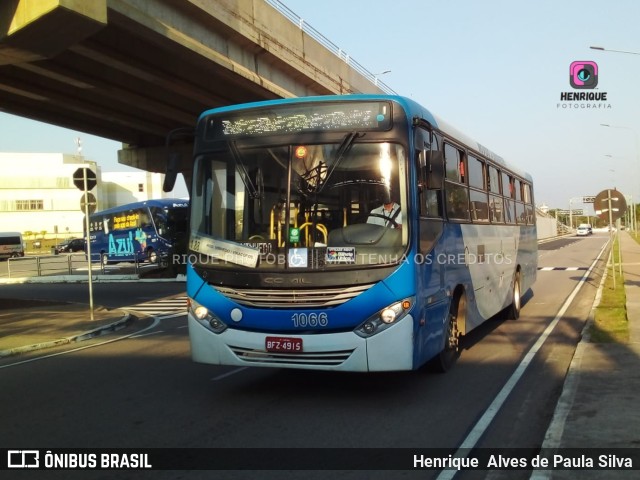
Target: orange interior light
[(301, 152)]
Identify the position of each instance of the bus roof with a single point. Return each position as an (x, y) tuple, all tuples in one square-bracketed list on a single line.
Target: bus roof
[(410, 106), (161, 203), (10, 234)]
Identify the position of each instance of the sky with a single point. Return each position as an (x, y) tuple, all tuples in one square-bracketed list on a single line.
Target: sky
[(495, 69)]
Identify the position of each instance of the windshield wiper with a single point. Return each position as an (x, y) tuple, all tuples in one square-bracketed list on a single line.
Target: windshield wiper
[(343, 149), (244, 175)]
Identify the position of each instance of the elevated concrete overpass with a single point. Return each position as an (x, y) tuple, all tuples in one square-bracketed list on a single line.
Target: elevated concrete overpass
[(134, 70)]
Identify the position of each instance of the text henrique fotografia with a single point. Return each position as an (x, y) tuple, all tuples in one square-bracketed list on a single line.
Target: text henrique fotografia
[(583, 76)]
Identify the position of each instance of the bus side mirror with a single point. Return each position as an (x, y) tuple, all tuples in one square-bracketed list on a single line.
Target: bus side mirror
[(435, 169), (171, 174)]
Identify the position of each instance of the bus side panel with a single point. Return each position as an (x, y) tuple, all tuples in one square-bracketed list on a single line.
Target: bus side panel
[(430, 337)]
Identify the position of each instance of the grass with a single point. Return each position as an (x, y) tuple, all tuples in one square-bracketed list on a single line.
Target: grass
[(610, 324)]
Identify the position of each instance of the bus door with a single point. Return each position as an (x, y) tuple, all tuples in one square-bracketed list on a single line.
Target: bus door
[(430, 250)]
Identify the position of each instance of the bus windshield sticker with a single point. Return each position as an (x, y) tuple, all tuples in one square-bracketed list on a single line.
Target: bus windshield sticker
[(297, 257), (223, 250), (341, 255)]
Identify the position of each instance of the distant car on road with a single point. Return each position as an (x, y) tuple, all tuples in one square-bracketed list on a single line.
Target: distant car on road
[(70, 246), (584, 230)]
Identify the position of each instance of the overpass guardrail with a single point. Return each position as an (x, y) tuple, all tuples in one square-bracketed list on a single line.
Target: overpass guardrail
[(329, 45)]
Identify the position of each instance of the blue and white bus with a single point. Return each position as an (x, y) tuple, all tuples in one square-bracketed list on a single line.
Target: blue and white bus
[(351, 233), (140, 231)]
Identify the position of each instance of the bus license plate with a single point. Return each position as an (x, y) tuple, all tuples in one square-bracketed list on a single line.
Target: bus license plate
[(283, 344)]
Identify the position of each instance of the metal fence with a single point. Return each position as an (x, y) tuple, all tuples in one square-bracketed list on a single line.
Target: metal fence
[(63, 264)]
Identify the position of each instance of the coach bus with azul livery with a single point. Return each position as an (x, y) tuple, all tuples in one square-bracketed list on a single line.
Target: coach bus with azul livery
[(351, 233), (140, 231)]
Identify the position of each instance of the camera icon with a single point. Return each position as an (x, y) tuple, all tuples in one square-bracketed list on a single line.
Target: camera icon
[(583, 74)]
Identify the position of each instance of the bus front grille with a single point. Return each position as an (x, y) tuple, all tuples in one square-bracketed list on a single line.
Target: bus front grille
[(305, 298), (310, 358)]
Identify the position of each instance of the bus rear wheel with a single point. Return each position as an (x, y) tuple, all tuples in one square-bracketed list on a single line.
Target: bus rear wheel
[(513, 310), (448, 357)]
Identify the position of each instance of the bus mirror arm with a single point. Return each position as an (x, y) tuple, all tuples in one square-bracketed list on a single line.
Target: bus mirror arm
[(171, 174), (173, 161)]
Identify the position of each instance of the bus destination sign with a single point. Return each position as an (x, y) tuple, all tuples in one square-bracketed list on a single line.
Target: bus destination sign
[(310, 117)]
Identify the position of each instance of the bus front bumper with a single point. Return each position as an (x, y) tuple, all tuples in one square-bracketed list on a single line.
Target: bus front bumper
[(389, 350)]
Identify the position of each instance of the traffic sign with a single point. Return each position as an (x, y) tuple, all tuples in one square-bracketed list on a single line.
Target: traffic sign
[(91, 203), (588, 199), (610, 205), (573, 211), (78, 178)]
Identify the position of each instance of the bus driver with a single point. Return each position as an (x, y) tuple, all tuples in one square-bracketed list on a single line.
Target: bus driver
[(387, 215)]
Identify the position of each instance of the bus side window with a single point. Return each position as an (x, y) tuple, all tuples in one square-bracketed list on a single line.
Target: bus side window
[(429, 172), (144, 220), (454, 160)]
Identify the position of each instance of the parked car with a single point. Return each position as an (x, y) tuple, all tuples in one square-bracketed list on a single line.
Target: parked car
[(70, 246)]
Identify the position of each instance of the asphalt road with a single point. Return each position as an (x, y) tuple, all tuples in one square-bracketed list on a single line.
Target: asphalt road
[(144, 391)]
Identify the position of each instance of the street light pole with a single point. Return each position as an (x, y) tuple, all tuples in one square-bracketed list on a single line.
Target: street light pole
[(635, 140), (376, 75), (635, 133), (617, 51)]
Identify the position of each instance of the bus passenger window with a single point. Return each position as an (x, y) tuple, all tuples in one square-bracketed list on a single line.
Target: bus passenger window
[(476, 173), (493, 179), (457, 201), (454, 164)]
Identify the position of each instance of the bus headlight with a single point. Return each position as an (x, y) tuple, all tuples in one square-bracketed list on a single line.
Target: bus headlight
[(205, 317), (384, 318)]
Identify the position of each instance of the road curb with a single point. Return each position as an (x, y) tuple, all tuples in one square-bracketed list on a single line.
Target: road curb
[(125, 321), (85, 279)]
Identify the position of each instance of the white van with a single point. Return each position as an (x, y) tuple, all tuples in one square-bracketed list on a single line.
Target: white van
[(584, 229), (11, 245)]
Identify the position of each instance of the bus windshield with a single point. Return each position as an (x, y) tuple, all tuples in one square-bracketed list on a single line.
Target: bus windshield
[(313, 206)]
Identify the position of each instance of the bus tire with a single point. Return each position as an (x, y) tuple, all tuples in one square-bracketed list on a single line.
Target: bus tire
[(513, 310), (448, 357), (104, 259), (152, 256)]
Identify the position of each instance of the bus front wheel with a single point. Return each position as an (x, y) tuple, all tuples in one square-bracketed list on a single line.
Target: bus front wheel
[(447, 358), (152, 256)]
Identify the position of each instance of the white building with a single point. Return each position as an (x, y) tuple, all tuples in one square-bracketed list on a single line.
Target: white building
[(120, 188), (37, 193)]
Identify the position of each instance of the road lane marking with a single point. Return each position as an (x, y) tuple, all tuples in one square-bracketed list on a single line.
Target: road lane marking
[(490, 413), (228, 374), (156, 322)]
